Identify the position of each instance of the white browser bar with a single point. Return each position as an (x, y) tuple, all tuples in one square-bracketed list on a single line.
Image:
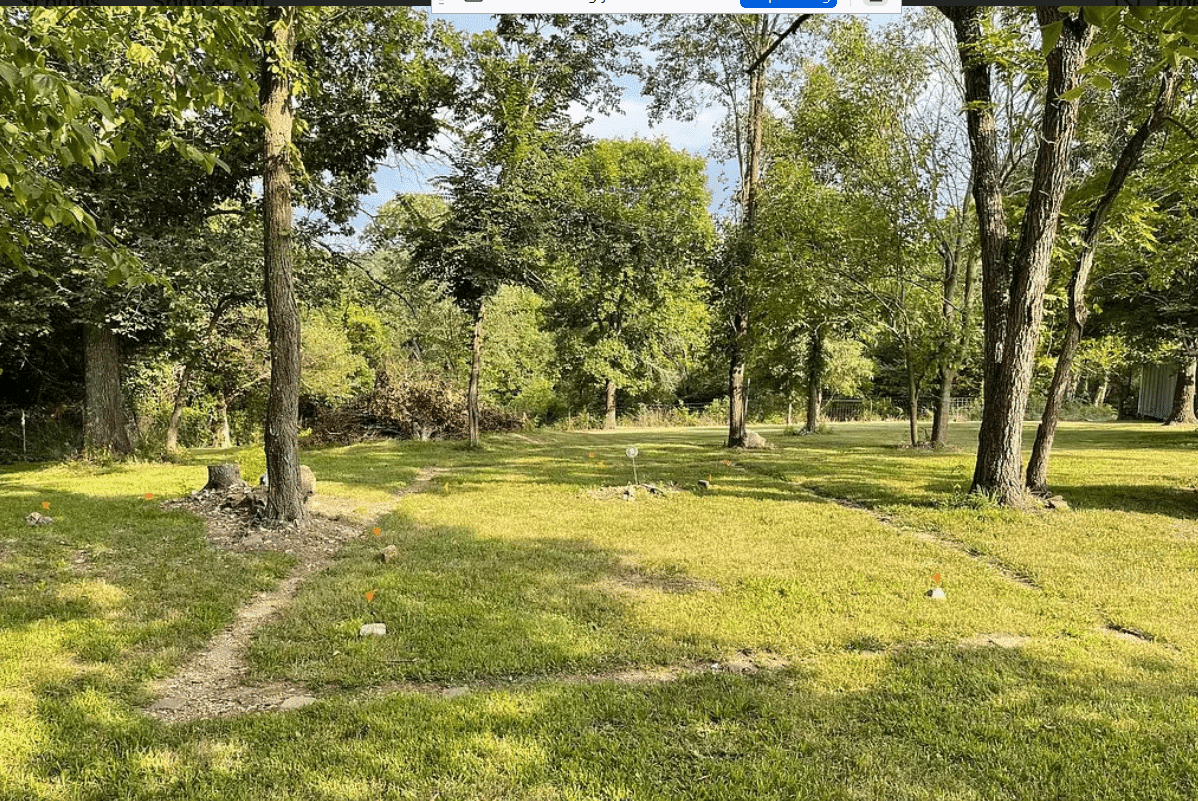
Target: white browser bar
[(665, 6)]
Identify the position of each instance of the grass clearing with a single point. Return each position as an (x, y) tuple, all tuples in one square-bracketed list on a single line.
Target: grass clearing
[(512, 580)]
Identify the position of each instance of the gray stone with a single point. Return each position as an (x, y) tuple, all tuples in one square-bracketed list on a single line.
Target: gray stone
[(1057, 502), (704, 484), (296, 702), (389, 554), (936, 594), (253, 541), (38, 519), (373, 630), (455, 692), (756, 441)]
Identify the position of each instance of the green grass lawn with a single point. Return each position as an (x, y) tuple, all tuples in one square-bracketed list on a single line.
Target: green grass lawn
[(515, 582)]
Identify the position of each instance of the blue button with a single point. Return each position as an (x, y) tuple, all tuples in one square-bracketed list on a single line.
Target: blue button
[(788, 3)]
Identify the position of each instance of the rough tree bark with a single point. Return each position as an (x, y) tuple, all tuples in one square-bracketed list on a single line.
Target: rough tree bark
[(223, 476), (1183, 395), (1013, 284), (1129, 158), (476, 363), (284, 501), (104, 428), (609, 404)]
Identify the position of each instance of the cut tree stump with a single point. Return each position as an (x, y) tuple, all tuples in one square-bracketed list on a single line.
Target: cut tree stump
[(224, 476)]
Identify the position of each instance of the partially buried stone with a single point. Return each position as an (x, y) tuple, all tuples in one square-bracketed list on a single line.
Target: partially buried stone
[(373, 630), (296, 702), (1057, 502), (38, 519), (389, 554), (704, 484), (936, 594)]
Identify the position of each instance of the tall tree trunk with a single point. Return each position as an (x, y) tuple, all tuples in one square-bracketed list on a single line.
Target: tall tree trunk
[(815, 376), (609, 404), (1183, 395), (284, 500), (223, 435), (104, 423), (1129, 158), (172, 428), (1103, 388), (737, 397), (736, 384), (476, 364), (1014, 287), (912, 401), (790, 413)]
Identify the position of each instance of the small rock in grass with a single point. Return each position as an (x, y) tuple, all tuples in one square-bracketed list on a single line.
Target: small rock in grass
[(455, 692), (704, 484), (296, 702), (936, 594), (1057, 502), (253, 541), (373, 630), (389, 554), (38, 519)]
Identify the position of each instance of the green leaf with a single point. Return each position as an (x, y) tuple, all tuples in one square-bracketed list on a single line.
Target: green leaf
[(1073, 94), (1101, 82), (1051, 34)]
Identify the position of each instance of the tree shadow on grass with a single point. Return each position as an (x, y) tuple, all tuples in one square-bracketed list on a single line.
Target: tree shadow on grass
[(1178, 502), (920, 723)]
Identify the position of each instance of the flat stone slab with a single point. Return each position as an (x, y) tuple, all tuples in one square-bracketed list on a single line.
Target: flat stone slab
[(296, 702), (373, 630), (169, 704)]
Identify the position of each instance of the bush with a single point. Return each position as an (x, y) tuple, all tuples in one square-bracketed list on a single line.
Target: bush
[(408, 408)]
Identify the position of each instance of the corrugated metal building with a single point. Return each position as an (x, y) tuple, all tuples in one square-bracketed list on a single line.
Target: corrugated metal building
[(1157, 384)]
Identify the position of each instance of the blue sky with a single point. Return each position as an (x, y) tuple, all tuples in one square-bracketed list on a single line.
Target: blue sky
[(694, 136)]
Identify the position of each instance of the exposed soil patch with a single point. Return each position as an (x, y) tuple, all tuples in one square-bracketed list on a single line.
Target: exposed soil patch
[(632, 492), (212, 684)]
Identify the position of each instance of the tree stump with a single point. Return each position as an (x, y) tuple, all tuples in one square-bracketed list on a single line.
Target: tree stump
[(224, 476)]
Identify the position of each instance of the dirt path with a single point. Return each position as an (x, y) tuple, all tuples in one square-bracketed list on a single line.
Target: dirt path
[(212, 683)]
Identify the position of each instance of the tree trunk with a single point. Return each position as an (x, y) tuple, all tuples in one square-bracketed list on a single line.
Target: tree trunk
[(609, 404), (104, 424), (944, 400), (790, 413), (736, 384), (737, 398), (1103, 388), (815, 374), (912, 400), (223, 436), (476, 363), (1183, 395), (172, 428), (1013, 288), (285, 500), (1129, 157), (223, 476)]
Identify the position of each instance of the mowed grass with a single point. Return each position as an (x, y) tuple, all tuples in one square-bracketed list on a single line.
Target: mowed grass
[(512, 580)]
